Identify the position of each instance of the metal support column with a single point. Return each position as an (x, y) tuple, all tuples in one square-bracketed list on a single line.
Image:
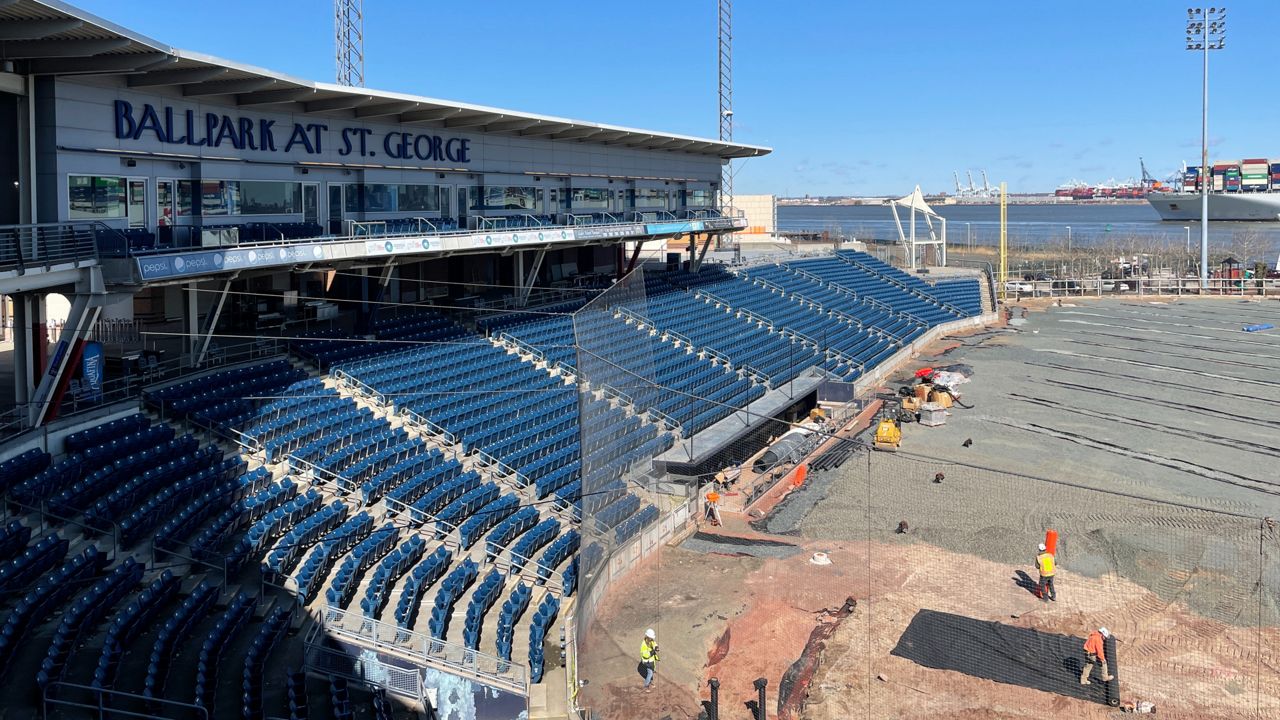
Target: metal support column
[(697, 262), (211, 320), (22, 349), (85, 310), (191, 317), (526, 286)]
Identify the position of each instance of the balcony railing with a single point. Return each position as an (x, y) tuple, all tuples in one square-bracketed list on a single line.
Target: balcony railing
[(46, 244)]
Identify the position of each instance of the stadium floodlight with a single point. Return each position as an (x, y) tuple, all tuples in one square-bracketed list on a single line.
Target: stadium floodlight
[(1206, 30)]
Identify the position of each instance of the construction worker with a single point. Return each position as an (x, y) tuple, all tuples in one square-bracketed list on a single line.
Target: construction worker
[(712, 512), (1045, 564), (1095, 651), (649, 657)]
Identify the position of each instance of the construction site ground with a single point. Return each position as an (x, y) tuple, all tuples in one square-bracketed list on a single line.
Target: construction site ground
[(1144, 433)]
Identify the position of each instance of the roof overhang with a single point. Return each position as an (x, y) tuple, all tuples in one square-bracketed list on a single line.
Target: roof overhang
[(48, 37)]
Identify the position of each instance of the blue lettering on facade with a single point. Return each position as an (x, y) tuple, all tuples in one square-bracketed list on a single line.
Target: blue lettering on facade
[(150, 121)]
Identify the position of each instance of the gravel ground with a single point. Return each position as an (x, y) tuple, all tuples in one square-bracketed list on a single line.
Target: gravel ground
[(1107, 437)]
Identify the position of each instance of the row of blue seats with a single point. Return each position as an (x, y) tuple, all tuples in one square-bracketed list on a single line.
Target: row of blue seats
[(409, 491), (136, 618), (304, 535), (543, 619), (436, 499), (451, 589), (396, 474), (569, 575), (22, 466), (333, 546), (199, 509), (175, 630), (529, 543), (37, 604), (472, 500), (485, 518), (557, 552), (75, 498), (82, 440), (205, 545), (32, 562), (233, 377), (408, 450), (512, 610), (277, 522), (13, 539), (311, 438), (484, 597), (132, 493), (227, 627), (84, 615), (396, 563), (421, 578), (361, 558), (509, 529), (156, 508), (632, 526), (270, 633)]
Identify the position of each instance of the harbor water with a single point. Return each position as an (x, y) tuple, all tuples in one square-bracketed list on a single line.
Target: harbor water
[(1100, 226)]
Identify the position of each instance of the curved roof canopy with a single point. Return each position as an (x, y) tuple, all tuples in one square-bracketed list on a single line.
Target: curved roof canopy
[(46, 37)]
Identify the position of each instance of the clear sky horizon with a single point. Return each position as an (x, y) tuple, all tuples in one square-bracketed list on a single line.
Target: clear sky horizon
[(855, 98)]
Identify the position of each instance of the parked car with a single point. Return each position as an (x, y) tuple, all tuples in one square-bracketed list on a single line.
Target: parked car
[(1020, 287), (1036, 276)]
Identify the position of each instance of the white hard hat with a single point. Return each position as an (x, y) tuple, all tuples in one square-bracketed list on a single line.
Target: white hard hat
[(1105, 632), (654, 636), (1042, 547)]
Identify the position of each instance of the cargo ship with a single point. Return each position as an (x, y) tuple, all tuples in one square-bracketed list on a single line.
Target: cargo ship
[(1245, 190)]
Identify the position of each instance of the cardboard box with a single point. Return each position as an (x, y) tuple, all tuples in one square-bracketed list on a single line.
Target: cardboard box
[(940, 398), (933, 415), (922, 391)]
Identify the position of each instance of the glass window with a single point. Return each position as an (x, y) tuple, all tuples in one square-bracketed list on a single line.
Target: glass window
[(95, 198), (505, 198), (269, 198), (217, 197), (588, 199), (697, 198), (645, 198), (419, 198), (164, 202)]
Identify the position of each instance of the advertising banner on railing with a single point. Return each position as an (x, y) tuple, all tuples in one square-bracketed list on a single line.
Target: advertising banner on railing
[(667, 228), (503, 238), (91, 370), (159, 267), (607, 232), (401, 245)]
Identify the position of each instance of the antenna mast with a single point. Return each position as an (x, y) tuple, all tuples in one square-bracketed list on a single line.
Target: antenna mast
[(348, 41), (725, 36)]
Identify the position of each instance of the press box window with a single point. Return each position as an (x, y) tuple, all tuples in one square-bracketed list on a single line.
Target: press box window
[(92, 197), (588, 199)]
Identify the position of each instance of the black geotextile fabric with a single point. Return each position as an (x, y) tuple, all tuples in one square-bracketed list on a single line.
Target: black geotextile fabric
[(1004, 654), (739, 541)]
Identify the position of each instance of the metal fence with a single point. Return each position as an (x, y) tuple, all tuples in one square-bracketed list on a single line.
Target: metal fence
[(46, 244)]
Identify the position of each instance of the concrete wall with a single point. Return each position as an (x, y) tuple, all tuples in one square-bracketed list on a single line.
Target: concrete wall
[(762, 217)]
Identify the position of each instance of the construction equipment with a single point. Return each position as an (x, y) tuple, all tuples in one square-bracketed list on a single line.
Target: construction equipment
[(817, 415), (888, 436)]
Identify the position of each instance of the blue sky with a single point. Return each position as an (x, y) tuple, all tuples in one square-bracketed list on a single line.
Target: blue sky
[(854, 97)]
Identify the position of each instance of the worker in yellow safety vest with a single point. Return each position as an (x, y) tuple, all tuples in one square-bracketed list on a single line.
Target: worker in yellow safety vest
[(648, 657), (1045, 564)]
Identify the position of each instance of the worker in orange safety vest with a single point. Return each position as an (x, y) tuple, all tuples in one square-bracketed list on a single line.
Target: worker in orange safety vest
[(1095, 651), (1045, 563)]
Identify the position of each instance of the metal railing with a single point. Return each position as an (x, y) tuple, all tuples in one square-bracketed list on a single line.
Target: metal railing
[(425, 649), (47, 244), (115, 703)]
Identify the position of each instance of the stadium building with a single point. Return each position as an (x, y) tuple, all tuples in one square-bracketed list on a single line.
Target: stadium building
[(317, 391)]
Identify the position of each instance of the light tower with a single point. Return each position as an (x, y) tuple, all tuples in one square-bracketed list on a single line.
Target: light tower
[(725, 35), (1206, 30), (348, 41)]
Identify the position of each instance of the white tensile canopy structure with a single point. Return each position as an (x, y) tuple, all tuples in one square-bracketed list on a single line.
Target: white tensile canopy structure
[(915, 204)]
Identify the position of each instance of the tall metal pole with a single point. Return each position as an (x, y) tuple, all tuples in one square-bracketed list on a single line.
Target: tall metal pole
[(724, 37), (1206, 30), (1204, 167), (348, 41)]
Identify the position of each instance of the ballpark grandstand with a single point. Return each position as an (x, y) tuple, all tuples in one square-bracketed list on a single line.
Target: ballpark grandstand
[(328, 402)]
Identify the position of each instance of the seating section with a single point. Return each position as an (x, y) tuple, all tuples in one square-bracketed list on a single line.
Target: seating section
[(964, 293), (447, 472)]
